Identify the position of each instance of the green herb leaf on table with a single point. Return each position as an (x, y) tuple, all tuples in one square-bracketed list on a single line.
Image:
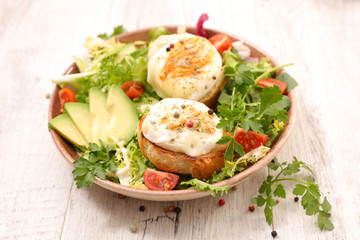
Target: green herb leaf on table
[(308, 190)]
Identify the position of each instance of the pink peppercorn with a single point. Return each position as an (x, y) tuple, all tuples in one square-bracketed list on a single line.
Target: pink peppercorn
[(190, 124), (172, 45), (221, 202)]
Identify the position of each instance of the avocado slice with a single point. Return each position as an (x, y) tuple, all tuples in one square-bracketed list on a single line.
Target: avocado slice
[(80, 115), (99, 115), (123, 116), (66, 128)]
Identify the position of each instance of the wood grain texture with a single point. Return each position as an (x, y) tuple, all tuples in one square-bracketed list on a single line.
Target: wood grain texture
[(38, 198)]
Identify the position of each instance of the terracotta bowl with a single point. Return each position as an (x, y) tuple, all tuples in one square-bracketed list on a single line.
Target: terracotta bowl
[(69, 153)]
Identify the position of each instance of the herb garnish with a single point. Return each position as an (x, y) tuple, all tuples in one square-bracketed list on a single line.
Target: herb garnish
[(244, 104), (308, 190), (117, 30), (95, 161)]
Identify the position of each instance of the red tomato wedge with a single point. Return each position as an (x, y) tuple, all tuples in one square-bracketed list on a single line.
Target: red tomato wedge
[(161, 181), (250, 139), (269, 82), (66, 95), (132, 89), (221, 42)]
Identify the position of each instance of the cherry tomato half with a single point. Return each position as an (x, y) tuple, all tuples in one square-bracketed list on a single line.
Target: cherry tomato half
[(269, 82), (161, 181), (66, 95), (221, 42), (132, 89), (250, 139)]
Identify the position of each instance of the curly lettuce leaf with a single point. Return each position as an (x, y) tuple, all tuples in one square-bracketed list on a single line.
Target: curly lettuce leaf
[(199, 185)]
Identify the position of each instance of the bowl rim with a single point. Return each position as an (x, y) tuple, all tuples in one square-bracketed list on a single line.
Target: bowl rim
[(185, 194)]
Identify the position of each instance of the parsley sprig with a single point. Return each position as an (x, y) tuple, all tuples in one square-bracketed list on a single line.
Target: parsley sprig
[(117, 30), (242, 103), (95, 161), (307, 189)]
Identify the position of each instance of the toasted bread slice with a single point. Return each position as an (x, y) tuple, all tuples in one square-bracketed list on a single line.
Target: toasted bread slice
[(201, 167)]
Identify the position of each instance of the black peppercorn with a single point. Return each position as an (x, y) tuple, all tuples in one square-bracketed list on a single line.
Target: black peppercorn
[(273, 233), (177, 210), (211, 111), (141, 208), (168, 49), (296, 199)]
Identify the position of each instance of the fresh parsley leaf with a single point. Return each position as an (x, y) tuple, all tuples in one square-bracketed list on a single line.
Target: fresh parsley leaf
[(238, 148), (291, 169), (243, 75), (274, 165), (268, 97), (308, 190), (251, 123), (85, 180), (224, 139), (314, 190), (268, 214), (80, 171), (229, 152), (100, 172), (324, 221), (306, 199), (95, 161), (102, 36), (279, 191), (299, 189), (117, 30), (259, 200), (313, 207), (326, 205), (270, 201)]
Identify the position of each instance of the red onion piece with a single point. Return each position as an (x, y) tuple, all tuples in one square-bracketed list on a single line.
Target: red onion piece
[(199, 26)]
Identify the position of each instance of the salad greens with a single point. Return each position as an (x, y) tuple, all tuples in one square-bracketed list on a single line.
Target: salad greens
[(157, 32), (117, 30), (242, 103)]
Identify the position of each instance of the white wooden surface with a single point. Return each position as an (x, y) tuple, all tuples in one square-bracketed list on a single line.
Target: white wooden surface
[(38, 198)]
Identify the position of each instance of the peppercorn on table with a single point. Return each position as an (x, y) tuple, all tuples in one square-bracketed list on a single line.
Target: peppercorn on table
[(38, 195)]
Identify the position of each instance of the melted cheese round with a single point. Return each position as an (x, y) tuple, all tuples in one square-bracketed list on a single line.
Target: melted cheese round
[(183, 66), (182, 126)]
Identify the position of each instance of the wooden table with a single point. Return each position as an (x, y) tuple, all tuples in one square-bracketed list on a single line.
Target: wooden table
[(38, 197)]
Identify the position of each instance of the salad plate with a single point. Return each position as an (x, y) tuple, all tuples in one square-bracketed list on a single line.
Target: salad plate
[(70, 154)]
